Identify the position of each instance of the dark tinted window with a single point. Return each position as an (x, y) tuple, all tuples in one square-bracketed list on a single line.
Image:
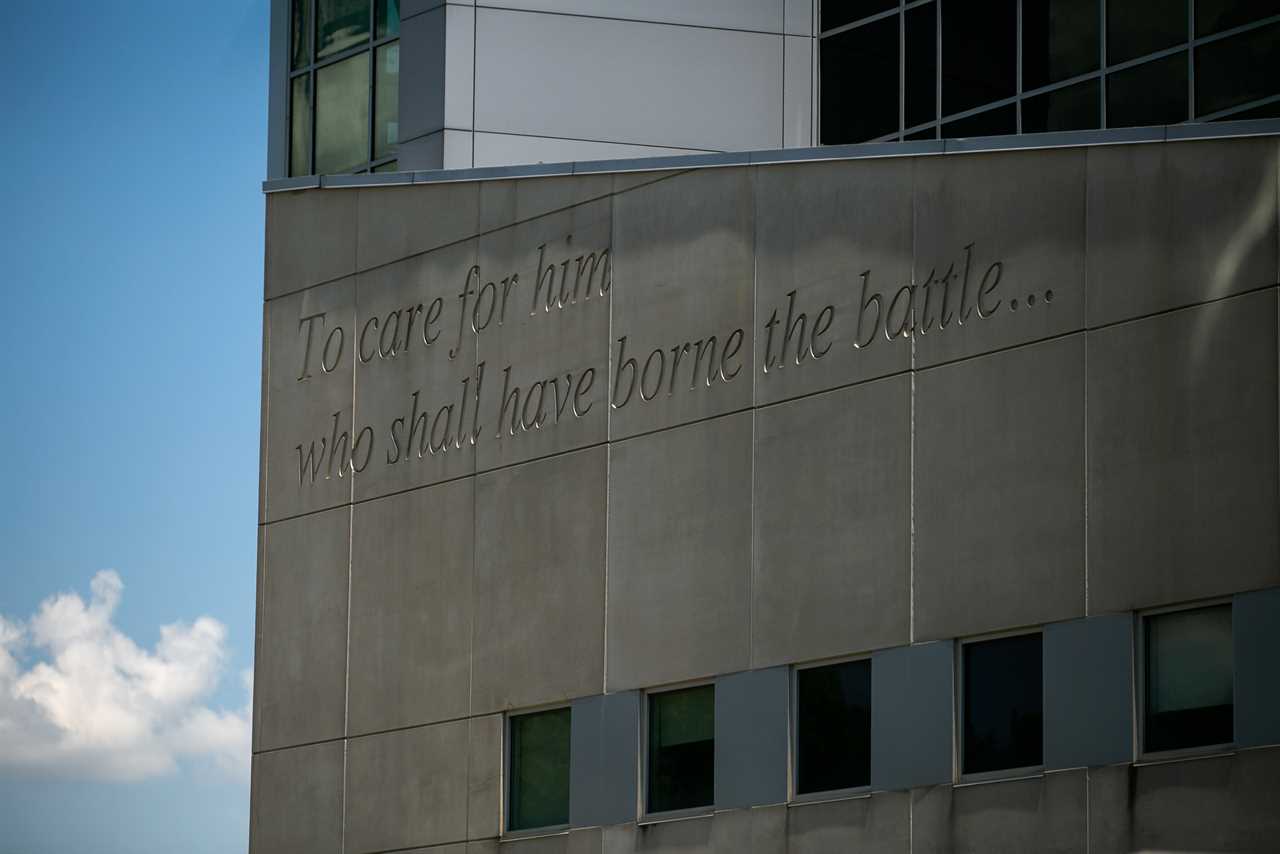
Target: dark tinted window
[(997, 122), (1076, 107), (1059, 40), (979, 53), (340, 24), (388, 18), (1003, 691), (927, 133), (920, 92), (1189, 679), (1266, 111), (1138, 27), (859, 83), (1214, 16), (300, 34), (682, 749), (833, 727), (539, 770), (837, 13), (1238, 70), (1154, 93)]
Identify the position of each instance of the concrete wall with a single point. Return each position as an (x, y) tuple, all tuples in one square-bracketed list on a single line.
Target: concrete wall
[(1031, 388)]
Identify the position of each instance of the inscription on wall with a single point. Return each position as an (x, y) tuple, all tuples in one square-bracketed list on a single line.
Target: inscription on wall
[(488, 404)]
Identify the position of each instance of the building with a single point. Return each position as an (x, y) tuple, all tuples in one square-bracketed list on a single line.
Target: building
[(910, 494)]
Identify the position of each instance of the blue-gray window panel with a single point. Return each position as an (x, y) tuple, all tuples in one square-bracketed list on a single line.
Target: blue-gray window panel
[(1088, 692), (604, 746), (751, 738), (912, 715), (1255, 628)]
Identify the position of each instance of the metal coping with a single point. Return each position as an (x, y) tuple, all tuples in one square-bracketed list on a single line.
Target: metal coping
[(859, 151)]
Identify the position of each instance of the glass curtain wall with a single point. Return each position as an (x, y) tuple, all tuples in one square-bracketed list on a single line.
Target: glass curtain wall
[(1031, 66), (344, 86)]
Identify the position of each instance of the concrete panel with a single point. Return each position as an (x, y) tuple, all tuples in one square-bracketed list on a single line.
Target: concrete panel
[(833, 524), (504, 203), (410, 648), (760, 830), (418, 388), (310, 239), (546, 347), (1174, 224), (539, 588), (300, 675), (1220, 804), (821, 228), (878, 824), (679, 554), (459, 65), (524, 59), (396, 222), (510, 149), (603, 754), (995, 234), (1046, 814), (691, 836), (406, 788), (484, 777), (1088, 692), (297, 801), (555, 844), (1182, 455), (683, 272), (422, 73), (911, 716), (797, 95), (999, 486), (310, 343), (752, 738), (1255, 627), (762, 15)]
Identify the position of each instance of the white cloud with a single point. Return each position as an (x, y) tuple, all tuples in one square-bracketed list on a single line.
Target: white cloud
[(92, 704)]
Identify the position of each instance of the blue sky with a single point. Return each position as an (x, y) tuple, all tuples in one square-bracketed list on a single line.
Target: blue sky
[(131, 221)]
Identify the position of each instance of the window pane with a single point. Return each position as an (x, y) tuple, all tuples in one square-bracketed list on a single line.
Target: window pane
[(979, 53), (342, 115), (1071, 108), (682, 749), (539, 770), (921, 93), (1138, 27), (833, 727), (837, 13), (1189, 679), (1003, 690), (386, 94), (1151, 94), (851, 109), (1266, 111), (927, 133), (388, 18), (300, 34), (1238, 70), (1059, 40), (341, 24), (389, 166), (1214, 16), (997, 122), (300, 126)]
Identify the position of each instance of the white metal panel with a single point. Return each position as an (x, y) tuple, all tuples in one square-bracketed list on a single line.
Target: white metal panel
[(761, 15), (797, 99), (459, 65)]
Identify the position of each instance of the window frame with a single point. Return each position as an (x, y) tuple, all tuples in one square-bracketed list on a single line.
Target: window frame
[(509, 778), (794, 796), (647, 816), (1142, 756), (371, 46), (1023, 772)]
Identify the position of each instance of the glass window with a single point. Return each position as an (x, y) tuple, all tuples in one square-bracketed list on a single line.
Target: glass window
[(300, 126), (1214, 16), (1189, 679), (1265, 111), (1074, 107), (1003, 701), (1238, 70), (997, 122), (1059, 40), (539, 795), (340, 24), (833, 727), (300, 34), (859, 83), (389, 166), (682, 749), (920, 92), (388, 19), (979, 53), (386, 93), (837, 13), (1138, 27), (342, 115), (1154, 93)]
